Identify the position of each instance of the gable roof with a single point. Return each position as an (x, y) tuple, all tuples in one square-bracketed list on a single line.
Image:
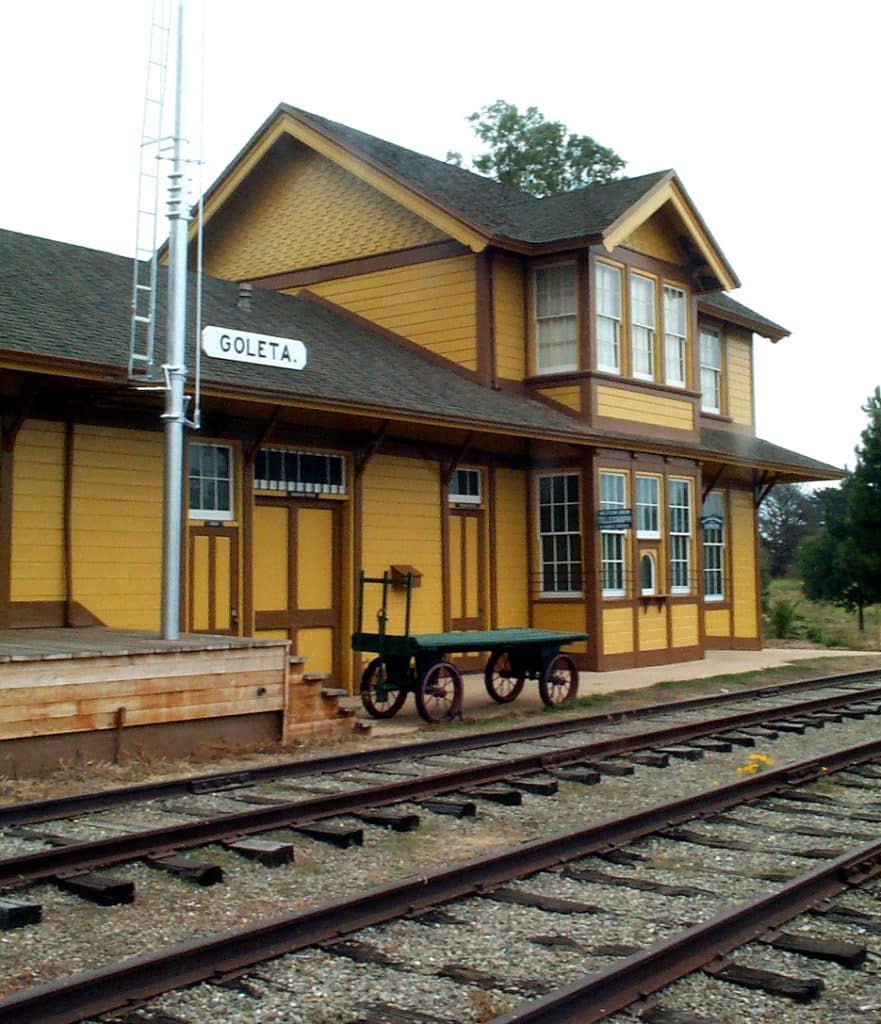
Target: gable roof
[(64, 309), (477, 210)]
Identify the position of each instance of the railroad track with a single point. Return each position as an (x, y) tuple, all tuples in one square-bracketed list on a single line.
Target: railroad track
[(541, 929)]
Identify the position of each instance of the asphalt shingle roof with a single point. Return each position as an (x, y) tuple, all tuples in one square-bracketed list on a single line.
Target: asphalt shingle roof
[(731, 309)]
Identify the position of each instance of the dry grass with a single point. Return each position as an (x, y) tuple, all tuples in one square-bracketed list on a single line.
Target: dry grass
[(825, 624)]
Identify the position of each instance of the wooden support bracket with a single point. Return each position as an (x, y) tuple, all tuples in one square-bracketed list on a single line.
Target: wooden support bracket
[(364, 456), (456, 460)]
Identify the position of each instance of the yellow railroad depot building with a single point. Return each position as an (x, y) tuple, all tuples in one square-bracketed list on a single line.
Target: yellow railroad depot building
[(544, 408)]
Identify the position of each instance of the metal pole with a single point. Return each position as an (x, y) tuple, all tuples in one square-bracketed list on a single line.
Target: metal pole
[(174, 414)]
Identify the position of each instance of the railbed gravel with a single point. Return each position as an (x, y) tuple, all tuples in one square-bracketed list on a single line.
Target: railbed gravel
[(169, 910)]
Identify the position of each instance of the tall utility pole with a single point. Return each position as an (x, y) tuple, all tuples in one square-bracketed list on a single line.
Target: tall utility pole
[(176, 371)]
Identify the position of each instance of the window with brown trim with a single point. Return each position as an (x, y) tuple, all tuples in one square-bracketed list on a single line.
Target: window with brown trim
[(711, 369), (556, 318), (675, 337)]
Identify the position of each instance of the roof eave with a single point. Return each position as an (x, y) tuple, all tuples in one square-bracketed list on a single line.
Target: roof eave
[(774, 332)]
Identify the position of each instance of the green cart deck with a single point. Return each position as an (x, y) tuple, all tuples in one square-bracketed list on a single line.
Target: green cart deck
[(469, 640)]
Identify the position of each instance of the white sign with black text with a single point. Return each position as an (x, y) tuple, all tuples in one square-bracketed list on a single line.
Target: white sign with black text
[(258, 349)]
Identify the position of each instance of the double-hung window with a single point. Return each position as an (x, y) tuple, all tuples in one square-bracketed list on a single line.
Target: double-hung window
[(608, 312), (642, 326), (648, 506), (210, 483), (613, 495), (711, 370), (714, 548), (679, 501), (556, 320), (465, 487), (559, 534), (675, 337)]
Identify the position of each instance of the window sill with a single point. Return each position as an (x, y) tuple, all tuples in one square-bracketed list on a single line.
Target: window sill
[(658, 600)]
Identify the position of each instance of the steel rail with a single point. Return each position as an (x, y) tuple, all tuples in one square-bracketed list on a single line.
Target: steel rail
[(598, 995), (59, 807), (70, 1000), (84, 856)]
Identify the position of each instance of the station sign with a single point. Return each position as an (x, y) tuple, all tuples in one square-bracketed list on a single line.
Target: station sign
[(711, 522), (614, 519), (257, 349)]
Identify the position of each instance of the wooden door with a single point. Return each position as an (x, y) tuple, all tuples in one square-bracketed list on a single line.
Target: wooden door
[(297, 570), (467, 569), (214, 579)]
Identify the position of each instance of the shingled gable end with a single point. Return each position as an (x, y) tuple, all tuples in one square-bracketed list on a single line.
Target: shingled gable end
[(486, 371)]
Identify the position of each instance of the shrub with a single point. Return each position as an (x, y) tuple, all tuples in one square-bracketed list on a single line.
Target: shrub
[(783, 616)]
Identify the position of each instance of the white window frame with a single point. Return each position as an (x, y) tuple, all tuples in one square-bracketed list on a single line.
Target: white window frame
[(675, 337), (613, 555), (565, 316), (653, 504), (648, 591), (608, 317), (556, 533), (714, 547), (711, 371), (462, 497), (642, 326), (679, 517), (289, 484), (219, 514)]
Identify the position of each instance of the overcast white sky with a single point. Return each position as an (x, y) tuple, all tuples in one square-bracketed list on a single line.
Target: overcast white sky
[(769, 115)]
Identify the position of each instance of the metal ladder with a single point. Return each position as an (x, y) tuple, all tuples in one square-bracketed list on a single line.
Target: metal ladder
[(141, 363)]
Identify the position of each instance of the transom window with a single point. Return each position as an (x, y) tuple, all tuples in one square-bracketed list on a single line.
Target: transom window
[(299, 472), (675, 336), (210, 482), (556, 320), (559, 533), (613, 495), (608, 307), (642, 326), (465, 487), (648, 506), (679, 499), (711, 370), (714, 549)]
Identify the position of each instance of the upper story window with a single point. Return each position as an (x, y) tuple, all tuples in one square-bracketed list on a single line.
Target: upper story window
[(714, 547), (711, 369), (556, 320), (210, 481), (679, 499), (559, 534), (648, 506), (675, 337), (299, 472), (608, 311), (465, 487), (613, 495), (642, 326)]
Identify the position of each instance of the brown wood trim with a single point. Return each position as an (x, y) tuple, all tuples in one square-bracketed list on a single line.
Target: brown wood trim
[(67, 520), (493, 530), (246, 617), (756, 326), (6, 494), (485, 325), (304, 276), (648, 432), (531, 500), (45, 614), (585, 308), (633, 260), (357, 563), (589, 582), (647, 659), (734, 643), (446, 573), (543, 380), (398, 339)]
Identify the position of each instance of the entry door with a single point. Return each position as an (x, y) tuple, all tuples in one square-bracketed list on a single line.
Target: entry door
[(467, 569), (214, 579), (296, 586)]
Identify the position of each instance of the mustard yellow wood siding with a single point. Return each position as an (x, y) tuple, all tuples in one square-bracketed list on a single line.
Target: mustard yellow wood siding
[(717, 622), (656, 237), (617, 630), (685, 625), (299, 209), (509, 310), (743, 564), (433, 304), (199, 577), (635, 407), (570, 397), (401, 525), (117, 525), (270, 551), (37, 569), (652, 628), (566, 616), (740, 377), (512, 599)]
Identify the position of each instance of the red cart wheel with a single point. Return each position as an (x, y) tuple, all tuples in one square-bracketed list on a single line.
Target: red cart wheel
[(380, 700), (559, 681), (439, 692), (502, 684)]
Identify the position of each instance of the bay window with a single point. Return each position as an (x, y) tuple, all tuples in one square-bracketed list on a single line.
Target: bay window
[(675, 337), (711, 369), (556, 319), (608, 311), (642, 326)]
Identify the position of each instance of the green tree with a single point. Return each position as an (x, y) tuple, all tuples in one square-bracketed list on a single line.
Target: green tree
[(534, 155), (788, 515), (842, 563)]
